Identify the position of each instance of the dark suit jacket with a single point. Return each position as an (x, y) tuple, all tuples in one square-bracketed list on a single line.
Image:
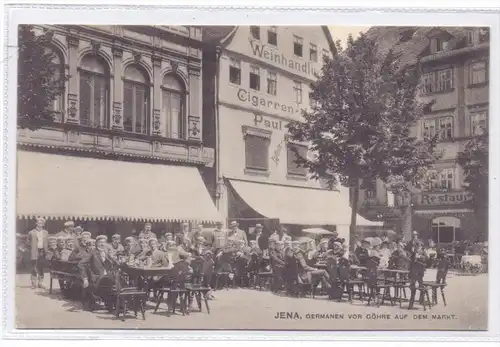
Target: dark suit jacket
[(95, 267), (32, 242)]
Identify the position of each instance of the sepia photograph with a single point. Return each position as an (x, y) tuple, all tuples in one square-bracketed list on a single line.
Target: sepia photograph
[(302, 178)]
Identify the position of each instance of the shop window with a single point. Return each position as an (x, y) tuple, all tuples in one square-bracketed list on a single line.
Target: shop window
[(478, 72), (174, 106), (445, 229), (297, 92), (136, 117), (272, 83), (479, 123), (292, 167), (272, 36), (235, 71), (94, 92), (256, 148), (313, 52), (298, 46), (254, 78), (439, 81), (255, 30)]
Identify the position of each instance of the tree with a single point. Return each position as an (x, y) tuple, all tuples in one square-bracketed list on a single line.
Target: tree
[(474, 162), (363, 107), (39, 78)]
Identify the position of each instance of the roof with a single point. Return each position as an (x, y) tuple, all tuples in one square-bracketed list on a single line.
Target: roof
[(220, 33)]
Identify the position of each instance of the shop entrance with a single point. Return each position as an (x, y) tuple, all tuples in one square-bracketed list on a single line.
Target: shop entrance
[(445, 229)]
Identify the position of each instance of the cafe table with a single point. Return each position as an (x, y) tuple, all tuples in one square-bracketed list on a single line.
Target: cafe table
[(139, 275)]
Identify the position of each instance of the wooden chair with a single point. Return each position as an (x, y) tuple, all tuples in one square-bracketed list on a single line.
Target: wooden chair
[(224, 271), (128, 296), (375, 285), (347, 283), (197, 292), (173, 285)]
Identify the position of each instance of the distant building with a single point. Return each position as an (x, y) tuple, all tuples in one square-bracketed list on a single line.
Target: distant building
[(126, 145), (455, 66), (256, 80)]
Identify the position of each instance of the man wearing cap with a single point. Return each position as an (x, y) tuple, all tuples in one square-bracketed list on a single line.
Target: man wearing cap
[(158, 258), (334, 238), (399, 259), (220, 238), (411, 247), (38, 244), (147, 233), (362, 253), (79, 252), (183, 234), (236, 234), (307, 273), (69, 229), (116, 249), (52, 249), (198, 249), (280, 235), (68, 249), (96, 266)]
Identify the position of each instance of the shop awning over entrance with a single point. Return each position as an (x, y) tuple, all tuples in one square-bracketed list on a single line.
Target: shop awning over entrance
[(57, 186), (304, 206)]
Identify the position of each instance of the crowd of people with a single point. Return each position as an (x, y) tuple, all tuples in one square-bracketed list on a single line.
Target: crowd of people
[(229, 251)]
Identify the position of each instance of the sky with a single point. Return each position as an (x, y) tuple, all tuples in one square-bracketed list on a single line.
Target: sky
[(341, 32)]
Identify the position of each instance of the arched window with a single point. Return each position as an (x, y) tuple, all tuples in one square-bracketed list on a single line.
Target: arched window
[(136, 100), (445, 229), (94, 92), (58, 76), (173, 106)]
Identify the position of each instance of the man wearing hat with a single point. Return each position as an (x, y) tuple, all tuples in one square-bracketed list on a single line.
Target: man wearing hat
[(69, 230), (68, 249), (235, 233), (280, 235), (38, 244), (220, 238), (183, 234), (411, 247), (85, 235), (362, 253), (147, 233), (334, 238), (307, 273)]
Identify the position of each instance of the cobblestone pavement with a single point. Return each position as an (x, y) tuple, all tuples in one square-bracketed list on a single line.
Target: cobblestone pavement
[(251, 309)]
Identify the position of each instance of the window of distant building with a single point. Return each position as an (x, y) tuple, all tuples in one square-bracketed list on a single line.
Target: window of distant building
[(437, 81), (272, 36), (256, 148), (472, 37), (440, 180), (438, 44), (292, 167), (479, 123), (369, 187), (235, 71), (445, 229), (174, 106), (254, 78), (94, 92), (442, 126), (297, 92), (136, 100), (313, 52), (478, 72), (298, 46), (272, 83), (255, 30)]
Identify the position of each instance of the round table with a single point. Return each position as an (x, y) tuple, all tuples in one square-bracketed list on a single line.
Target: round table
[(471, 259)]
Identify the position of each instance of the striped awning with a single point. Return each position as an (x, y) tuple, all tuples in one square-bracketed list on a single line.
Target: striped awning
[(64, 187)]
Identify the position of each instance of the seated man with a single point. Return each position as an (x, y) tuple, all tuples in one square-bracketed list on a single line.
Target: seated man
[(129, 250), (97, 267), (141, 258), (158, 257), (199, 247), (80, 252), (309, 274), (90, 245), (116, 250), (68, 249), (52, 252)]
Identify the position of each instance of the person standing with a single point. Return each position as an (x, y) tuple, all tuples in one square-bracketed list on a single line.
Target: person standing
[(147, 233), (68, 231), (236, 234), (38, 244), (220, 238), (281, 235)]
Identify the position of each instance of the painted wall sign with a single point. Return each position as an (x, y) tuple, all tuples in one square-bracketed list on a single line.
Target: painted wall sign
[(451, 198), (270, 53), (262, 121), (258, 101)]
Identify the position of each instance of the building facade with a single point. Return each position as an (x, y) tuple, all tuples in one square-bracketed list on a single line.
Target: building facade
[(261, 82), (126, 145), (455, 93)]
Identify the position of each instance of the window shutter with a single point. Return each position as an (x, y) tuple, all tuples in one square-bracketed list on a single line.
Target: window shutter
[(256, 152)]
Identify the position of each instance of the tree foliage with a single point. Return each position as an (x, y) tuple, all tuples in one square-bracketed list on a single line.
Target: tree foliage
[(474, 161), (40, 78), (364, 106)]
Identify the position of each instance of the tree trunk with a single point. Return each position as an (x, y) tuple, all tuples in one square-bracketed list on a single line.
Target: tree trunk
[(354, 212), (406, 223)]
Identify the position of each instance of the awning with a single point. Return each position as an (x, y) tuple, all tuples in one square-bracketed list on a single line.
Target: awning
[(57, 186), (303, 206)]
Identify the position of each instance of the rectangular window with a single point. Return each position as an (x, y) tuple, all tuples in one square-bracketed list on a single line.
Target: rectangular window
[(297, 46), (172, 107), (256, 152), (272, 36), (254, 78), (292, 167), (446, 179), (255, 31), (313, 52), (478, 72), (471, 37), (479, 123), (235, 71), (438, 81), (297, 92), (429, 130), (135, 108), (93, 100), (445, 128), (432, 181), (272, 83)]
